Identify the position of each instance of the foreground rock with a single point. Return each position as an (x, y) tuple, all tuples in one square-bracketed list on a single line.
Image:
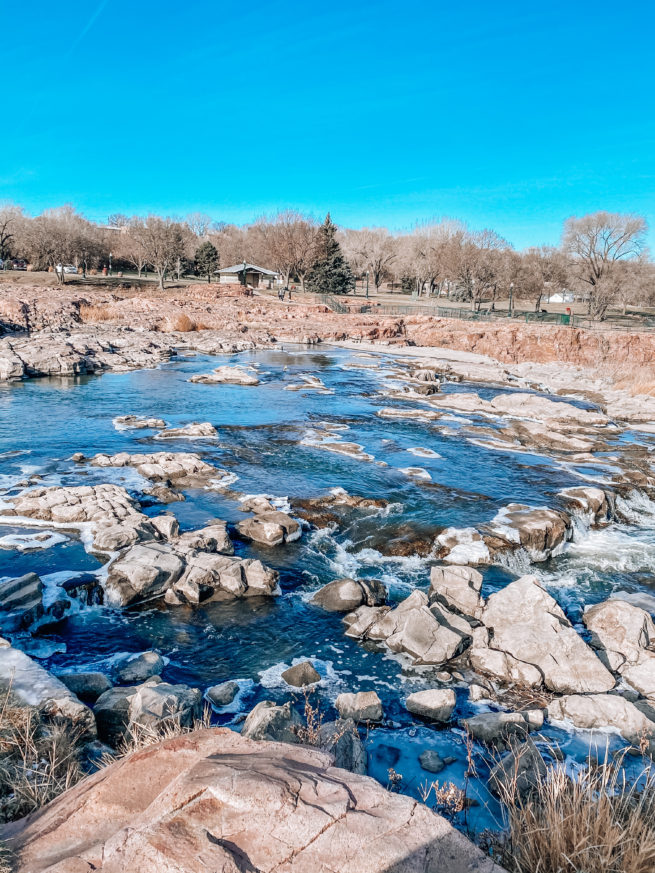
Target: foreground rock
[(457, 588), (227, 376), (526, 625), (214, 801)]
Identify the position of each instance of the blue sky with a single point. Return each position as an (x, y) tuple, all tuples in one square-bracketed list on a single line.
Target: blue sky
[(507, 115)]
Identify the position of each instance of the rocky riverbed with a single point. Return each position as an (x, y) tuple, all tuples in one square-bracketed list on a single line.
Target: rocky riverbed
[(419, 547)]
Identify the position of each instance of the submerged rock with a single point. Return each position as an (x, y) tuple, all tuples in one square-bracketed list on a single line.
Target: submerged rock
[(220, 802), (223, 694), (193, 430), (134, 669)]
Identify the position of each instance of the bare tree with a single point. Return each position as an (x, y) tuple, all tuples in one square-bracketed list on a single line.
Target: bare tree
[(371, 249), (285, 242), (163, 244), (130, 245), (538, 271), (11, 217), (199, 224), (595, 244), (61, 236)]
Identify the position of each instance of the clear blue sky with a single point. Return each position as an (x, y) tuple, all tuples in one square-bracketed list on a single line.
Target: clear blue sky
[(511, 115)]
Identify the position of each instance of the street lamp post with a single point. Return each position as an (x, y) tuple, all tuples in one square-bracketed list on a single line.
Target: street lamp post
[(110, 263), (244, 274), (367, 284), (511, 299)]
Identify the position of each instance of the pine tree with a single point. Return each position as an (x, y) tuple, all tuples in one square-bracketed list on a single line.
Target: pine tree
[(207, 260), (331, 272)]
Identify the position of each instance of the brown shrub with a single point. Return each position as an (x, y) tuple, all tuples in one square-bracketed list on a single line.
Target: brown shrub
[(184, 324), (594, 821)]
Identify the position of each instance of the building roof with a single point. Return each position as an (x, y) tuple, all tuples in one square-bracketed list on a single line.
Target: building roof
[(250, 268)]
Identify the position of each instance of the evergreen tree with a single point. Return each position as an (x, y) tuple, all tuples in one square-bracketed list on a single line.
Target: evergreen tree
[(207, 260), (331, 272)]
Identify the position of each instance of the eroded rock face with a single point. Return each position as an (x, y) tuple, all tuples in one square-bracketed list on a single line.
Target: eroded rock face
[(155, 809), (540, 531), (621, 632), (591, 501), (270, 721), (212, 538), (22, 599), (114, 516), (526, 623)]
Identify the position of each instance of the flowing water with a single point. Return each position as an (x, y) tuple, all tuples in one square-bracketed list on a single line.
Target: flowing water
[(269, 438)]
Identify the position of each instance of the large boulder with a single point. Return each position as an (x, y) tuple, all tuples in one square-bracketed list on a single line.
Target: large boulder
[(540, 531), (341, 739), (428, 634), (458, 589), (87, 686), (210, 576), (589, 501), (521, 770), (525, 622), (193, 430), (143, 572), (493, 728), (301, 674), (215, 801), (437, 704), (344, 595), (620, 631), (601, 711)]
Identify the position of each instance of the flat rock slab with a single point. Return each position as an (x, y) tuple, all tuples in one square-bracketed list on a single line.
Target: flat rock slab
[(212, 800)]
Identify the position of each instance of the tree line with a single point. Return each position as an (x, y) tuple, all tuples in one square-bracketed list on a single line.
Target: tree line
[(602, 257)]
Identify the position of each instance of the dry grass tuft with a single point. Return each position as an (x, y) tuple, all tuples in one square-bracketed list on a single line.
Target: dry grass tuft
[(595, 821), (184, 324), (37, 761), (142, 736), (91, 313)]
